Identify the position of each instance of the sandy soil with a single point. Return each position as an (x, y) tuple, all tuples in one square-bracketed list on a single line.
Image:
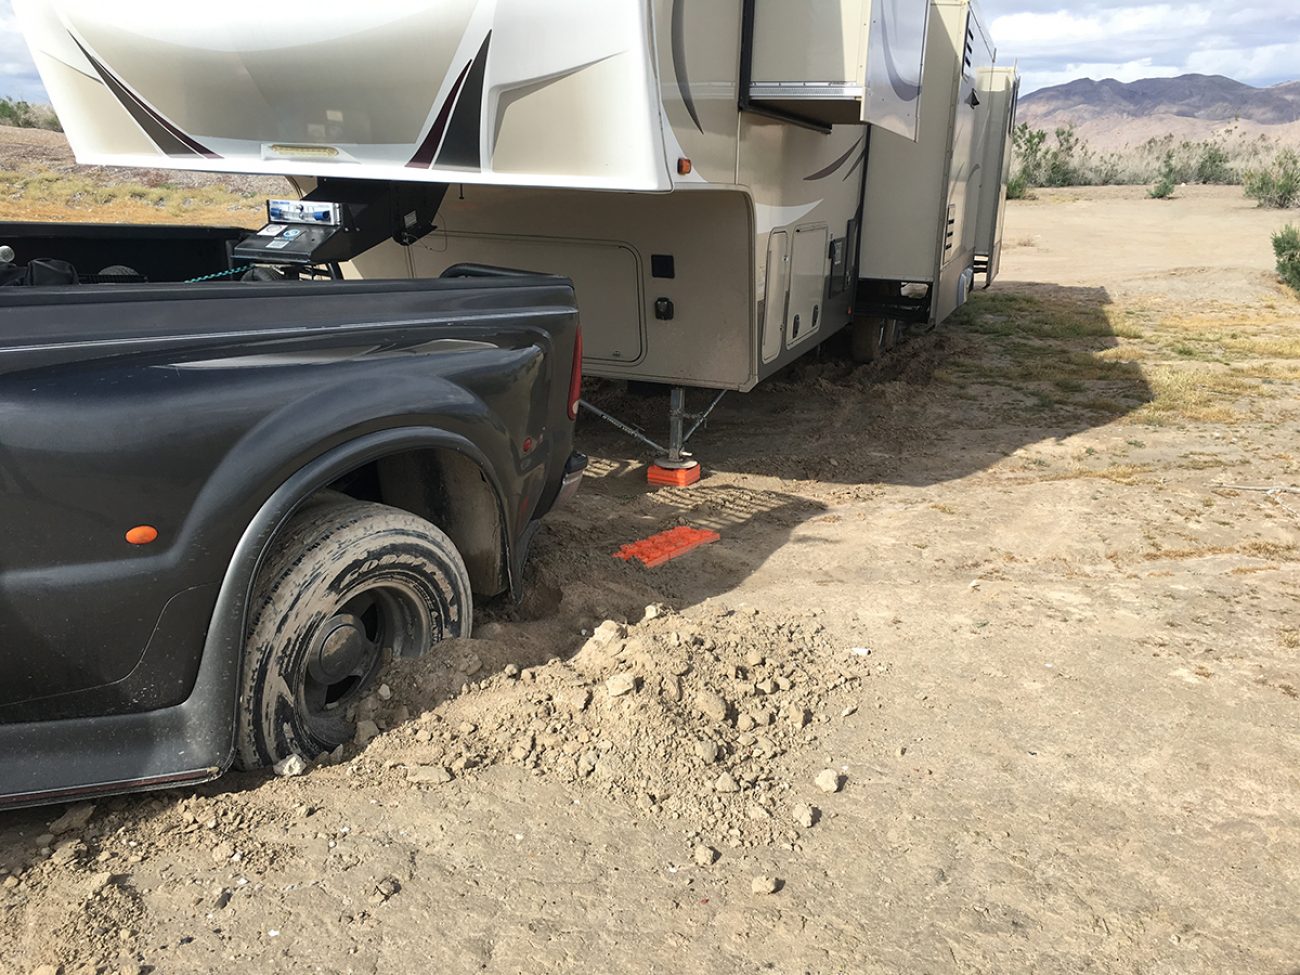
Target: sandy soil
[(1020, 599)]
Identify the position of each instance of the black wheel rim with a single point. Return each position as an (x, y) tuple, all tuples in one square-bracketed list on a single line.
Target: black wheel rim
[(348, 648)]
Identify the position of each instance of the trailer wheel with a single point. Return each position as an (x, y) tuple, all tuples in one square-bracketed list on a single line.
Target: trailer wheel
[(349, 585), (869, 337)]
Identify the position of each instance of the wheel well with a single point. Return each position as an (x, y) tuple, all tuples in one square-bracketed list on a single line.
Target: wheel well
[(450, 490)]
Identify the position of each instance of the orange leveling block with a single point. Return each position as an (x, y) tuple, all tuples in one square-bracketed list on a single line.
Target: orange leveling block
[(662, 476), (661, 548)]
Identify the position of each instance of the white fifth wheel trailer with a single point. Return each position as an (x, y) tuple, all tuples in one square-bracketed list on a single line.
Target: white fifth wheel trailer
[(717, 178)]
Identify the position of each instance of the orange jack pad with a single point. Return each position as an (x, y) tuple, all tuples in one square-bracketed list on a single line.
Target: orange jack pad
[(661, 548), (673, 476)]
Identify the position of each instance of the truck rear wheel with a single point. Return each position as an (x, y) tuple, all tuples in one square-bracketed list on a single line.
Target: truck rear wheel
[(349, 585)]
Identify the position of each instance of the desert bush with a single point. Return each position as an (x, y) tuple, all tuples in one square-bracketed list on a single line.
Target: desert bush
[(1168, 181), (24, 115), (1278, 185), (1066, 162), (1213, 165), (1027, 160), (1062, 158), (1286, 247)]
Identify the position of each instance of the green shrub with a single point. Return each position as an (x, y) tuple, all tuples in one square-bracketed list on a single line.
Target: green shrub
[(1065, 161), (23, 115), (1062, 158), (1278, 185), (1027, 156), (1168, 181), (1286, 247), (1212, 165)]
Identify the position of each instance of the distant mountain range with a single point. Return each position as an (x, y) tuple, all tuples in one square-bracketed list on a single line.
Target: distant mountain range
[(1191, 106), (1213, 98)]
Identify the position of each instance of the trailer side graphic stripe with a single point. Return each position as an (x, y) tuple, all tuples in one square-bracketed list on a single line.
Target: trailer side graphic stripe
[(462, 147), (171, 140), (823, 173), (423, 157), (908, 91), (679, 61)]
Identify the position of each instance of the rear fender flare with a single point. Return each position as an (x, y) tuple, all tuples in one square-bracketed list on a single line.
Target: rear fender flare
[(211, 707)]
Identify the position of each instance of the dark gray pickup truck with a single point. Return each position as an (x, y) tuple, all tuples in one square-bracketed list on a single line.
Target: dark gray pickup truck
[(224, 504)]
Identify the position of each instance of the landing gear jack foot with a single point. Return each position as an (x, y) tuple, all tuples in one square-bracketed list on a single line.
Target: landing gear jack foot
[(669, 474)]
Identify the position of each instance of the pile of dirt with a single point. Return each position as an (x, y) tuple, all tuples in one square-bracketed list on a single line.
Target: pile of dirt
[(692, 720)]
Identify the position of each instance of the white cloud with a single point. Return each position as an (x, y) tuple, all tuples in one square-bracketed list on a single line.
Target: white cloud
[(1065, 31), (1127, 71), (1054, 42), (18, 77), (1270, 62)]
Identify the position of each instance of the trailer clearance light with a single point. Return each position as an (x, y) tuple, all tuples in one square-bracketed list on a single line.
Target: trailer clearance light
[(142, 535), (575, 377), (684, 166)]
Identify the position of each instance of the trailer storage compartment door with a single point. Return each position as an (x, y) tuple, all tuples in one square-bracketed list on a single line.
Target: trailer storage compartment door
[(836, 62)]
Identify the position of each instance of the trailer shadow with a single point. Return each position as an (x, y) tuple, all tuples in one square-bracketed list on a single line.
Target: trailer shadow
[(1021, 364)]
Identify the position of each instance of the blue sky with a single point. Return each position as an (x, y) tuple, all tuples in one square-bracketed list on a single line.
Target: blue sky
[(1256, 41)]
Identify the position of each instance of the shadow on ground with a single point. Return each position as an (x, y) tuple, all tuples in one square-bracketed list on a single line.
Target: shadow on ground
[(1020, 364)]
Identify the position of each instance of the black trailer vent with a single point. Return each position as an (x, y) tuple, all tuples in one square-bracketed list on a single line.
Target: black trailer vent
[(950, 229)]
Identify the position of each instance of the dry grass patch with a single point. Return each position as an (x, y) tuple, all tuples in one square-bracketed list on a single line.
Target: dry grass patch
[(1116, 473), (1259, 549), (1045, 314), (1126, 352), (46, 195), (1198, 395), (1265, 347), (1271, 371)]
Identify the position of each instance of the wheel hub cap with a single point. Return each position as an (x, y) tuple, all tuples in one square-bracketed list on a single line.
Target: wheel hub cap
[(340, 650)]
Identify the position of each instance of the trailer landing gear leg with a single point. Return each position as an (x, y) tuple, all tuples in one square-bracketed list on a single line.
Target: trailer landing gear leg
[(674, 467), (677, 468)]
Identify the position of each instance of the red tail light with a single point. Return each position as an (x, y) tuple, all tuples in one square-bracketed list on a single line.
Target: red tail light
[(575, 377)]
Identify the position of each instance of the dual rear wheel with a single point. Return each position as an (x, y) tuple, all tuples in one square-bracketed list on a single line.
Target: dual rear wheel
[(348, 586)]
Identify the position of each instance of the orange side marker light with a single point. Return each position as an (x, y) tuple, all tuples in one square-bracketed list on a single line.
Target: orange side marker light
[(142, 535)]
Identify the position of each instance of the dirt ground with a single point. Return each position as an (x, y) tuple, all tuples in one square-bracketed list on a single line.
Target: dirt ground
[(994, 669), (41, 181)]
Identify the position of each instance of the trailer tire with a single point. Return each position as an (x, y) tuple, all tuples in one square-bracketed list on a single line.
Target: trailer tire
[(348, 586), (893, 334), (869, 337)]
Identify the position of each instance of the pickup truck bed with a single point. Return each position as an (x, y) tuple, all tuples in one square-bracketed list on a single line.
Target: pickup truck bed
[(207, 415)]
